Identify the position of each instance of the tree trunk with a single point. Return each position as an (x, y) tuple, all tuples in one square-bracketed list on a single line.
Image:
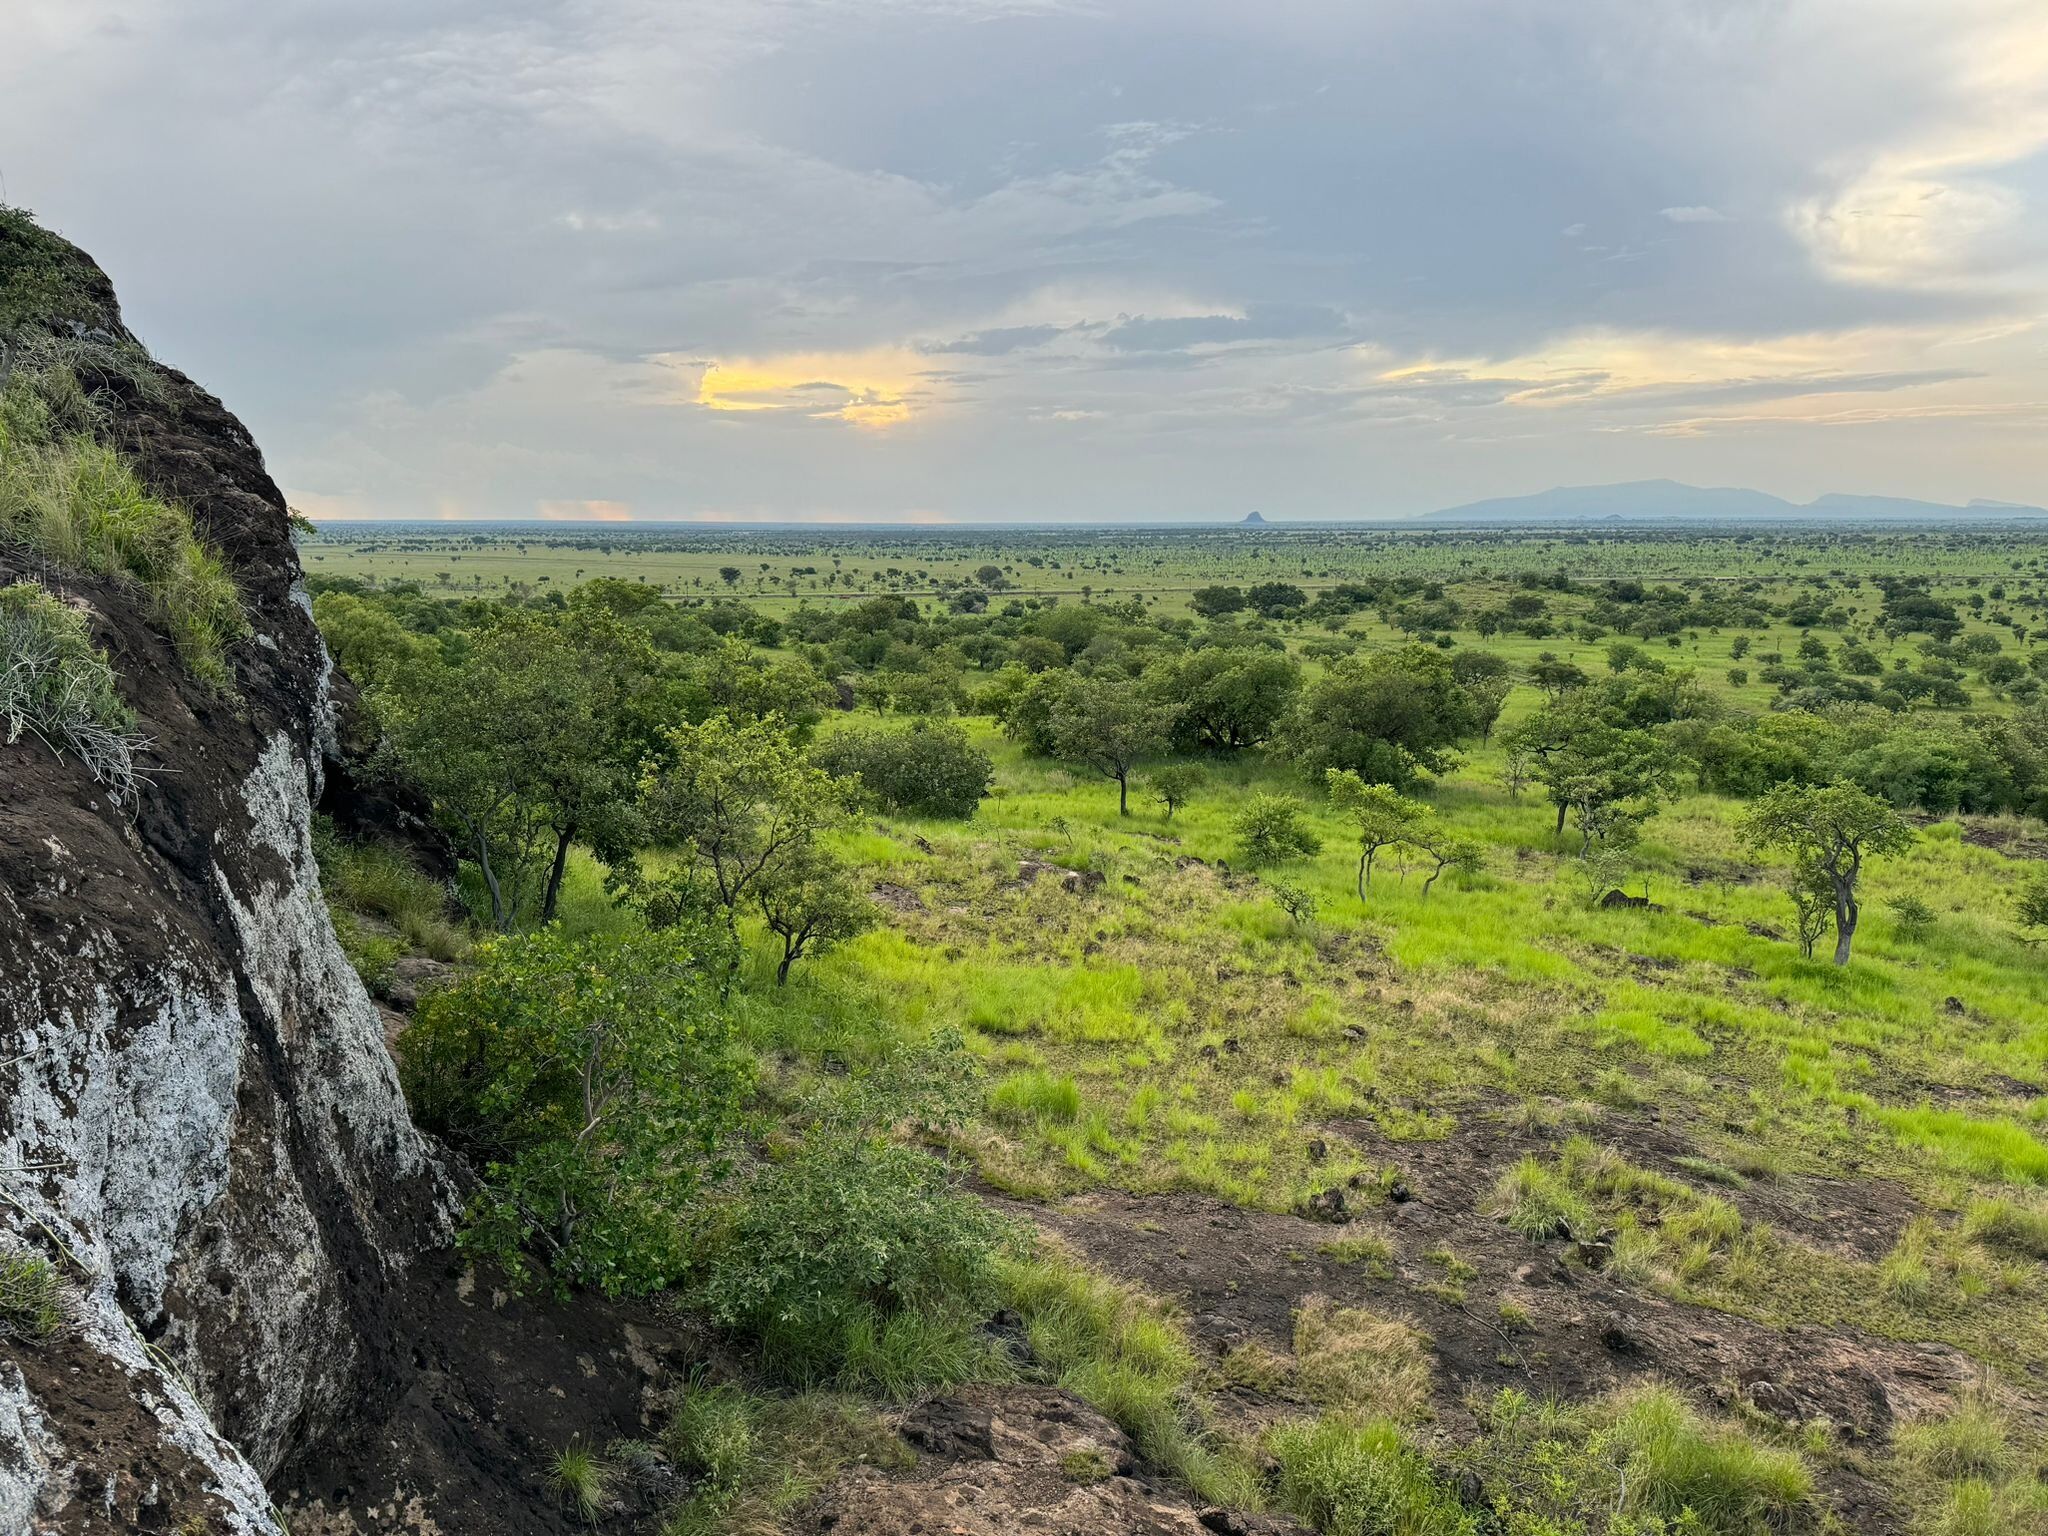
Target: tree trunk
[(547, 905), (1364, 871), (1561, 808), (782, 970), (483, 861), (1123, 794), (1845, 926)]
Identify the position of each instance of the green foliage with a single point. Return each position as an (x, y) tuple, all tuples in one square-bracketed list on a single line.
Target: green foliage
[(596, 1082), (1297, 901), (1537, 1202), (31, 1296), (1173, 785), (531, 738), (57, 686), (1270, 828), (43, 278), (581, 1479), (927, 770), (1108, 725), (76, 502), (1389, 717), (1639, 1462), (2016, 1225), (713, 1431), (810, 903), (1830, 832), (1348, 1476), (739, 800), (2030, 900), (856, 1258), (1383, 816)]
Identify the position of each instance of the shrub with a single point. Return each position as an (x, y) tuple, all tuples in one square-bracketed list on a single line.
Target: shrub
[(926, 770), (30, 1297), (55, 685), (1174, 785), (856, 1258), (1273, 827), (1675, 1463), (596, 1082), (2030, 903)]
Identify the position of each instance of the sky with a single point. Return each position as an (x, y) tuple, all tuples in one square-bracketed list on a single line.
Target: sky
[(1032, 260)]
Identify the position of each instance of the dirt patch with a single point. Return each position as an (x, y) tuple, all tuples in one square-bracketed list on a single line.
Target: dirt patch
[(1450, 1271), (996, 1461), (497, 1385), (898, 898)]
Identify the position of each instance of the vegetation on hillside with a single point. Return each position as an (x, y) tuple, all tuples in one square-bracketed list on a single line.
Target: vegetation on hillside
[(1385, 907)]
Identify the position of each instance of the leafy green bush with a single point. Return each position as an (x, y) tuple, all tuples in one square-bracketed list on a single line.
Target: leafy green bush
[(596, 1082), (856, 1258), (55, 685), (1273, 827), (926, 770)]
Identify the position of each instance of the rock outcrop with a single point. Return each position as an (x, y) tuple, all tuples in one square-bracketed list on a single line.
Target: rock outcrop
[(200, 1124)]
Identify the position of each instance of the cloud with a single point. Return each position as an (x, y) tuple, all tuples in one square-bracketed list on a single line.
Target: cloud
[(584, 511), (625, 244)]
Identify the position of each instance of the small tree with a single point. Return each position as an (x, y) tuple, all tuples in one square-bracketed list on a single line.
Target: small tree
[(1297, 901), (1174, 785), (1829, 831), (1109, 725), (809, 901), (1489, 695), (1448, 853), (2031, 903), (1272, 827), (1382, 815), (741, 800), (1813, 907)]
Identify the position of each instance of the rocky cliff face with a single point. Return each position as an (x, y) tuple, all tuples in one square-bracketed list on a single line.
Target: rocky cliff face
[(199, 1121)]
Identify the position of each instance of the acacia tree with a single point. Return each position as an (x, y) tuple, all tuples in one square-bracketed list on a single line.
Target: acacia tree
[(1109, 725), (1829, 831), (1382, 815)]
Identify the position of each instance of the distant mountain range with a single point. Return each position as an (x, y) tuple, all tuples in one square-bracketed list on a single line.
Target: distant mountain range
[(1635, 500)]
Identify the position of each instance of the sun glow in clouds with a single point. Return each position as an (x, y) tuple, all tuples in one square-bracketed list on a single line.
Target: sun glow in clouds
[(873, 390)]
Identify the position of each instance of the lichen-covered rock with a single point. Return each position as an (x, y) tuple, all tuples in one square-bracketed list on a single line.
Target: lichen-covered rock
[(199, 1120)]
